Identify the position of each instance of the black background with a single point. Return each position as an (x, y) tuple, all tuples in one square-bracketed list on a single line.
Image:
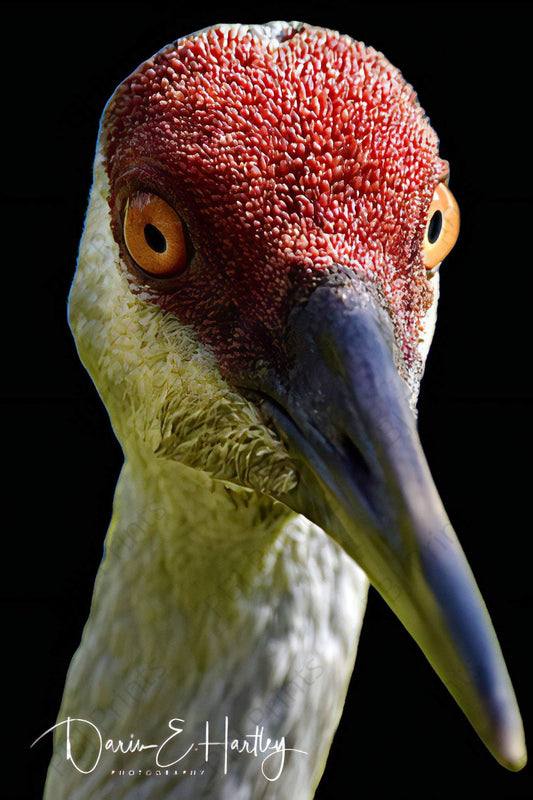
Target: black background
[(401, 734)]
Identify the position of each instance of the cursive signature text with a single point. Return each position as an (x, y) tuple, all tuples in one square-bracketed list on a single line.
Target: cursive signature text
[(172, 750)]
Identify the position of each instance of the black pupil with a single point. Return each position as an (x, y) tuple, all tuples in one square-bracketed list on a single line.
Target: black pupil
[(155, 239), (434, 227)]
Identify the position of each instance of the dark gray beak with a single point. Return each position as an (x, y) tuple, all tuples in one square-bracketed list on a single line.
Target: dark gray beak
[(344, 410)]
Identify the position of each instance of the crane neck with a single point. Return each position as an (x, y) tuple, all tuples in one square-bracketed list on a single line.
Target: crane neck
[(210, 539), (212, 603)]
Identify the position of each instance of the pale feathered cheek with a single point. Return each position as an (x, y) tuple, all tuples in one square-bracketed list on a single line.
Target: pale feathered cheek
[(162, 388)]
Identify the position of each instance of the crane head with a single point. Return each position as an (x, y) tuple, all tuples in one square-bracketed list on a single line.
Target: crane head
[(289, 158), (256, 295)]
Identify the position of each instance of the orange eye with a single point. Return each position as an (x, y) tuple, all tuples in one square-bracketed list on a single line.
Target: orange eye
[(442, 227), (154, 235)]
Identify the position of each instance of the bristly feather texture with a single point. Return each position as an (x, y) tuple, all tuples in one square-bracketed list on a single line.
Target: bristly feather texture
[(225, 619)]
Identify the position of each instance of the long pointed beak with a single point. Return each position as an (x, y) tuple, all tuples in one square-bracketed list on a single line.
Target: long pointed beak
[(345, 412)]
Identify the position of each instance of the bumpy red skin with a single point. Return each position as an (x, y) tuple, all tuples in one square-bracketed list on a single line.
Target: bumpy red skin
[(284, 161)]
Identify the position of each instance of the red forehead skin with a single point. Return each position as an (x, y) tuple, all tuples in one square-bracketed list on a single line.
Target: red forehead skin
[(284, 159)]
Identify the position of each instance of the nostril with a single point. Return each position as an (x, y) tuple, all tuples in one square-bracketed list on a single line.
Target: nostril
[(355, 459), (360, 473)]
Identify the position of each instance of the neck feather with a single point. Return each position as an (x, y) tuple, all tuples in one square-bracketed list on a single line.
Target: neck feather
[(212, 602), (204, 543)]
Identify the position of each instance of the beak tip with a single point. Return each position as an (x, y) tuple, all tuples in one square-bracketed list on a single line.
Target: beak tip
[(510, 747), (514, 761), (513, 755)]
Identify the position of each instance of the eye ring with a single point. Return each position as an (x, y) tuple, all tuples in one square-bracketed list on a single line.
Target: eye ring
[(442, 228), (154, 235)]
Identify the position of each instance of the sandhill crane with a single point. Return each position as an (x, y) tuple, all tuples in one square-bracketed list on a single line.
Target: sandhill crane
[(255, 299)]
